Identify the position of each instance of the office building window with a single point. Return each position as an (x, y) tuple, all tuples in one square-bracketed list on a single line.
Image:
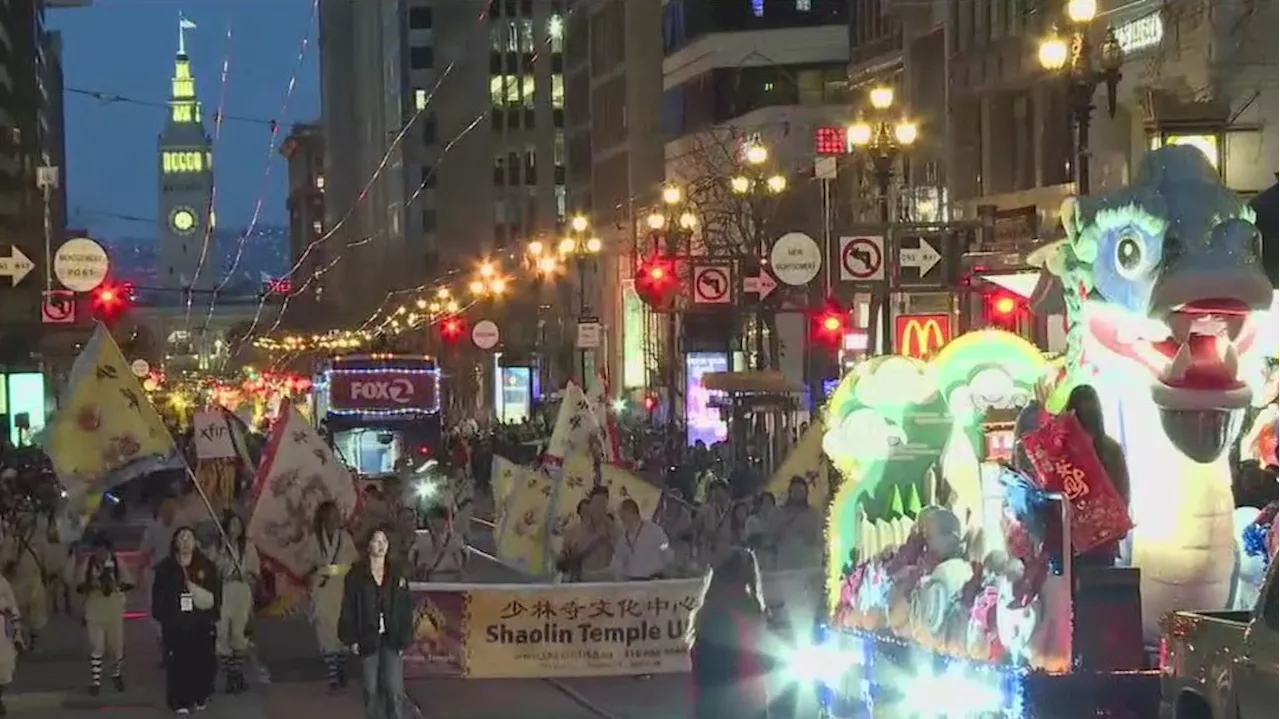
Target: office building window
[(562, 203), (495, 38), (526, 35), (512, 85), (513, 37), (804, 5), (557, 91), (496, 92), (555, 31), (420, 18), (527, 86), (421, 58), (530, 164), (429, 131), (419, 99), (558, 148), (499, 170)]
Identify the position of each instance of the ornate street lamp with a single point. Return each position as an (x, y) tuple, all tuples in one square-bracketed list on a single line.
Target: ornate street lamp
[(882, 138), (1084, 69)]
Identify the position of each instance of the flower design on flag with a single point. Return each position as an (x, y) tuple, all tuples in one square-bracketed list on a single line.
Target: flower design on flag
[(89, 418)]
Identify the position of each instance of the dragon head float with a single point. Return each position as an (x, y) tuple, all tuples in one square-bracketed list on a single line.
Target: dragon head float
[(1161, 280)]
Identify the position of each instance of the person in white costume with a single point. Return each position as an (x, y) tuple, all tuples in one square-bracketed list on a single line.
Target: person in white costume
[(332, 552), (239, 568), (105, 583)]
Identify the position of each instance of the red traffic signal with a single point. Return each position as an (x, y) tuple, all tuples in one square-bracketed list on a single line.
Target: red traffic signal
[(656, 281), (452, 328), (829, 326), (1003, 309), (650, 403), (109, 300)]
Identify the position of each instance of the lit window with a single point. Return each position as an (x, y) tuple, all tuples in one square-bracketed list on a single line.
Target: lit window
[(178, 162), (182, 113), (558, 151), (319, 182), (317, 227), (526, 35), (562, 202), (555, 30), (495, 90), (419, 99), (557, 91), (183, 88), (526, 90), (804, 5), (512, 85)]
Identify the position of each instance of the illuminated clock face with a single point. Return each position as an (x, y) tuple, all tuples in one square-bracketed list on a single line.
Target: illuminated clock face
[(183, 220)]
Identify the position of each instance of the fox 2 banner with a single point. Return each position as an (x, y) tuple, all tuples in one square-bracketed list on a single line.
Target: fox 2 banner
[(488, 631)]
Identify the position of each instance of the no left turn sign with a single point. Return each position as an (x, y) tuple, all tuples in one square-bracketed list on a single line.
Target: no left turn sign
[(711, 285), (862, 258)]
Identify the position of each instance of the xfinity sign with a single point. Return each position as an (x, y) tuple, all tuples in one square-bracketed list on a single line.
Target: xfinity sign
[(397, 391)]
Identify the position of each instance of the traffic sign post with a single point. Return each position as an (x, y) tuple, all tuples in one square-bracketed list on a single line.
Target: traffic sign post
[(862, 258), (485, 335), (81, 264), (16, 266), (919, 261), (761, 285), (711, 285), (58, 307), (796, 259)]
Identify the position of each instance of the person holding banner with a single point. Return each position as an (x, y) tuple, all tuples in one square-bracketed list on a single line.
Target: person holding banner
[(332, 552), (713, 528), (439, 554), (1084, 402), (185, 601), (377, 623), (239, 567), (729, 661), (588, 545), (642, 552)]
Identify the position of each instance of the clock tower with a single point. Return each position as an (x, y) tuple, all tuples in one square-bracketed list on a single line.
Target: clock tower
[(186, 187)]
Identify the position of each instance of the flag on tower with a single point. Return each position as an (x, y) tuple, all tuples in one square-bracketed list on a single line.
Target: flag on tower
[(186, 24)]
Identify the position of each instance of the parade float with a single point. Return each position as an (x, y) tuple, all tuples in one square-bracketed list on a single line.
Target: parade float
[(949, 576)]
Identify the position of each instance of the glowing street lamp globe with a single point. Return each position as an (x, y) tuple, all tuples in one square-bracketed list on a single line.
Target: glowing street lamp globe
[(757, 154), (906, 133), (567, 246), (535, 248), (776, 183), (594, 245), (740, 185), (859, 134), (671, 194), (579, 224), (1053, 52), (656, 221), (477, 287), (688, 220), (1082, 11), (882, 97)]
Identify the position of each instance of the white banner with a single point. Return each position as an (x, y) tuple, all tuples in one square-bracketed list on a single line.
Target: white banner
[(212, 435)]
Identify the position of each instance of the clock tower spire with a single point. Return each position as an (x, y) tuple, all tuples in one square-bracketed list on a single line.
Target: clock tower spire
[(186, 185)]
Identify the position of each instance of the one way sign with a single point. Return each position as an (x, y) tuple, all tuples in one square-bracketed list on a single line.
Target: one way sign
[(762, 285), (918, 260)]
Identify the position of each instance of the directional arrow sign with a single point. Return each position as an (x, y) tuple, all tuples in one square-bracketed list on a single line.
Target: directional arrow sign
[(15, 267), (762, 284), (923, 258)]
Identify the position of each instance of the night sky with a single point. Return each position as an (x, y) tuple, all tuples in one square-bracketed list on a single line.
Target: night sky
[(126, 48)]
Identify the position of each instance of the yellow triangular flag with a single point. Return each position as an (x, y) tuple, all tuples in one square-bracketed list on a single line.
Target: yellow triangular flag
[(805, 460), (105, 431), (573, 486), (522, 535), (624, 485)]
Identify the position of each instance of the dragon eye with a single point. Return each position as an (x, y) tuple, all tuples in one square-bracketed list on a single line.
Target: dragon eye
[(1130, 253)]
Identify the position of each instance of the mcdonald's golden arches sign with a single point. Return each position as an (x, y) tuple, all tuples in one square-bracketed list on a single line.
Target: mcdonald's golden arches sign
[(921, 336)]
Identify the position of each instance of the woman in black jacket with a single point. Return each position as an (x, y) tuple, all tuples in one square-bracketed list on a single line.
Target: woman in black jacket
[(185, 602), (377, 623), (730, 661)]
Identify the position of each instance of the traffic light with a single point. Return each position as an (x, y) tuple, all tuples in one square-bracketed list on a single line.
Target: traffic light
[(451, 328), (109, 300), (657, 281), (650, 403), (1003, 308), (830, 325)]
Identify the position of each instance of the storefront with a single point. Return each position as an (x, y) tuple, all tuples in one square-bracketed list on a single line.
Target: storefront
[(23, 406)]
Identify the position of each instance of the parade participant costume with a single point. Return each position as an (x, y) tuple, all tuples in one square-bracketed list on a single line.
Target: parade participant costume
[(332, 554), (239, 568), (10, 638), (23, 553), (104, 583), (439, 555), (57, 566), (185, 601)]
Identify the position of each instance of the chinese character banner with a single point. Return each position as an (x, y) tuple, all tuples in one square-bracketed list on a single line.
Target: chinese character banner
[(488, 631)]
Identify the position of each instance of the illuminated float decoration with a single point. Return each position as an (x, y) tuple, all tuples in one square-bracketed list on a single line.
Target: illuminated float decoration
[(930, 549)]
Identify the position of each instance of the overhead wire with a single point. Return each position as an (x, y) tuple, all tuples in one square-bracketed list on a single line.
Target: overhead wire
[(272, 144), (213, 186), (396, 141)]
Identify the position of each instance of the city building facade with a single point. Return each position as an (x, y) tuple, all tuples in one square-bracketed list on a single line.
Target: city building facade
[(444, 138), (303, 150)]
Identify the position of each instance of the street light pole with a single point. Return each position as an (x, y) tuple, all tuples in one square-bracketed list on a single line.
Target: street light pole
[(1084, 71), (755, 183), (884, 140), (675, 222)]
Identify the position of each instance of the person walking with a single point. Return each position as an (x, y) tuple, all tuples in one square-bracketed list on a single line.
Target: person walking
[(333, 551), (377, 623), (23, 559), (728, 649), (104, 582), (239, 568), (438, 554), (185, 601), (642, 552), (10, 639)]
